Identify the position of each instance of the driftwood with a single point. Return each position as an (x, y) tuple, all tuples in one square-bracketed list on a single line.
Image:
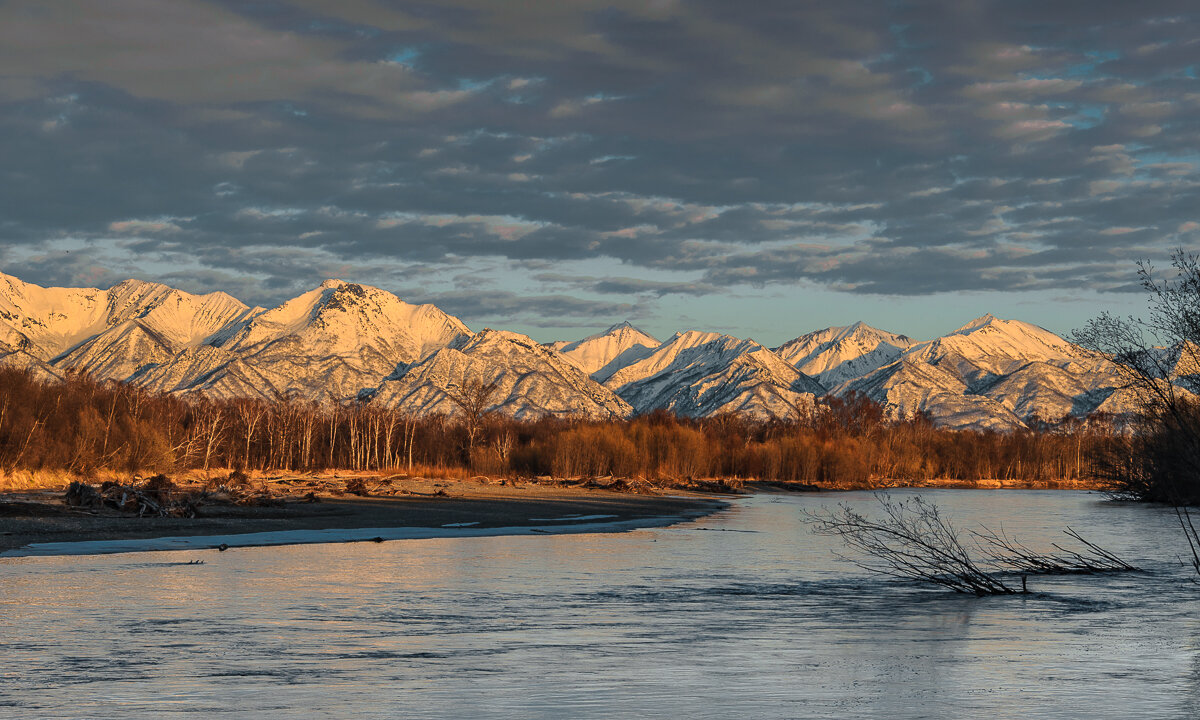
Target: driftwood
[(160, 497), (81, 494)]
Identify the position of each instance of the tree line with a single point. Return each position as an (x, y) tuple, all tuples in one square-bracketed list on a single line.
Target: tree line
[(83, 426)]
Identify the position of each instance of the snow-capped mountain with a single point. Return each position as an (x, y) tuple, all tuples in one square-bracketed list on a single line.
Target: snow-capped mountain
[(329, 343), (326, 344), (993, 374), (605, 353), (531, 381), (48, 322), (696, 374), (342, 340), (837, 354), (907, 387), (989, 347), (160, 323)]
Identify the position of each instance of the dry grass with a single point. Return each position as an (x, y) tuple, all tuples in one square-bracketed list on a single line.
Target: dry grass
[(17, 480), (22, 480)]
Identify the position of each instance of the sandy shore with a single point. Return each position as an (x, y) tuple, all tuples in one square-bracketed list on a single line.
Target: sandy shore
[(41, 517)]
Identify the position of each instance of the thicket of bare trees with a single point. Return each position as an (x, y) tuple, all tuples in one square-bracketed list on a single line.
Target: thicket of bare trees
[(82, 426), (1159, 357)]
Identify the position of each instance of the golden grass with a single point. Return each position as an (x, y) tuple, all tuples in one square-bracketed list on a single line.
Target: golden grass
[(22, 480), (34, 480)]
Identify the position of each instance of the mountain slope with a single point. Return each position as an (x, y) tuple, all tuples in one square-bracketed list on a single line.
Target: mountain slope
[(907, 387), (605, 353), (326, 344), (837, 354), (531, 380), (21, 360), (128, 325), (48, 322), (163, 323), (695, 374), (988, 347)]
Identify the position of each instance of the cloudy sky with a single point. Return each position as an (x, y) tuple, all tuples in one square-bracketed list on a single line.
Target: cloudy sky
[(761, 168)]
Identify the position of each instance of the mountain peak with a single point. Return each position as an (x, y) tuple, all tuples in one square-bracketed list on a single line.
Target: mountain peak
[(332, 283), (620, 344), (982, 321), (491, 335), (837, 354)]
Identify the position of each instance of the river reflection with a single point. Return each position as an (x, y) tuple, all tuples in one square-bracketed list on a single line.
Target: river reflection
[(744, 613)]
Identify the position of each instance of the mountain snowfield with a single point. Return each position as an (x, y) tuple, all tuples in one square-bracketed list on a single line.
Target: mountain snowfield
[(342, 342)]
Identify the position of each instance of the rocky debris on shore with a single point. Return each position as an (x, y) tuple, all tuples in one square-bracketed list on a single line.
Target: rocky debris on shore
[(158, 496), (643, 486), (161, 497)]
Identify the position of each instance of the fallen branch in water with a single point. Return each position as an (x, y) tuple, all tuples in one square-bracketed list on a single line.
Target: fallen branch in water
[(913, 541), (1008, 554)]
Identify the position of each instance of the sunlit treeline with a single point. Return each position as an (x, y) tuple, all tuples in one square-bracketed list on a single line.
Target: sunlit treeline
[(83, 426)]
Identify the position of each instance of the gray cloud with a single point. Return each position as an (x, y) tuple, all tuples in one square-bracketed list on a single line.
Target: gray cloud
[(919, 149), (536, 310)]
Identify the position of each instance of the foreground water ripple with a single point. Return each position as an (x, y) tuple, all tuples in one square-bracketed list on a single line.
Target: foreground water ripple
[(670, 622)]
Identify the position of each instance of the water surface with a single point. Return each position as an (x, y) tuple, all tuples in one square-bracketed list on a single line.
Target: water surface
[(743, 613)]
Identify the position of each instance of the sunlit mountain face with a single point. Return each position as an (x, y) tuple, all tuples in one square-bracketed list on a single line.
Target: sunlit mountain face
[(343, 341)]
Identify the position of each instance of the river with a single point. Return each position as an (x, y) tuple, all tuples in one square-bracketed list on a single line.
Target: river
[(744, 613)]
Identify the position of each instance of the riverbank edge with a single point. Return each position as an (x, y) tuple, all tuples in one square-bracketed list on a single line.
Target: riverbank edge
[(456, 513), (29, 528), (222, 543)]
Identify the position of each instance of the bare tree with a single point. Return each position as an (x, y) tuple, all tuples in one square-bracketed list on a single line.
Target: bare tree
[(473, 397), (1159, 358), (250, 412), (210, 421), (1007, 553)]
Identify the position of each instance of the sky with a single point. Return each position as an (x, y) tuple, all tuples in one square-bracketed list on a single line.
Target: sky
[(761, 169)]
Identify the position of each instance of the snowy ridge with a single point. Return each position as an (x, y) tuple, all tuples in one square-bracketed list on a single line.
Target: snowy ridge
[(994, 374), (908, 387), (48, 322), (342, 341), (996, 346), (605, 353), (531, 381), (837, 354), (696, 374), (327, 344), (44, 322)]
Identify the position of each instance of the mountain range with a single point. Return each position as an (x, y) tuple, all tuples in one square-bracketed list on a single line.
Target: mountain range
[(343, 341)]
